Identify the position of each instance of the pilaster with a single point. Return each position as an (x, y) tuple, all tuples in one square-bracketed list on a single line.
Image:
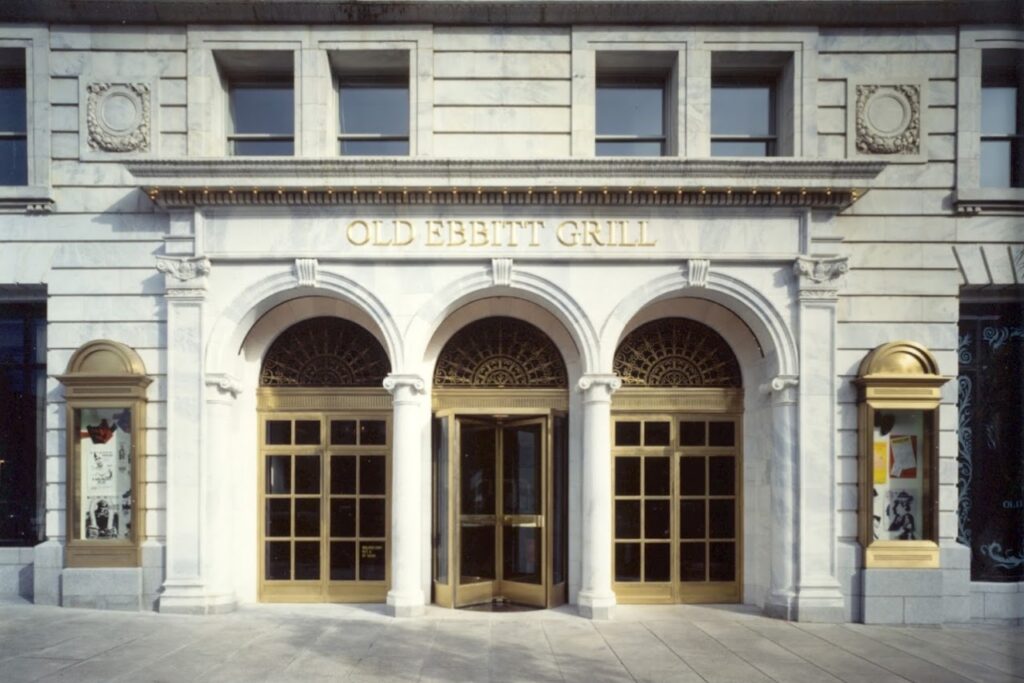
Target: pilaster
[(406, 597), (596, 597), (781, 601), (818, 596)]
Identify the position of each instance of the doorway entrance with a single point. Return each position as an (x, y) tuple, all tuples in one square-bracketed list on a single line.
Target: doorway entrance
[(500, 466)]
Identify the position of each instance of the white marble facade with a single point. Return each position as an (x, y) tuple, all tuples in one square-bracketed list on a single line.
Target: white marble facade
[(155, 238)]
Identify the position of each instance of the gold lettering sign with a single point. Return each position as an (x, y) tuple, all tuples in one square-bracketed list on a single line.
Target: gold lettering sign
[(491, 233)]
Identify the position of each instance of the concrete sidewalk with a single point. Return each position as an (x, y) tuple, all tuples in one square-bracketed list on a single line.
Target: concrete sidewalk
[(352, 643)]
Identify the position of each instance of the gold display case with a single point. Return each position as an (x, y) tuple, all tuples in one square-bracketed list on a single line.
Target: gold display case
[(899, 390)]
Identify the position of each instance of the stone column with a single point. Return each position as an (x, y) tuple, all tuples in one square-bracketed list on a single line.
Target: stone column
[(406, 599), (782, 589), (818, 596), (596, 598), (185, 589)]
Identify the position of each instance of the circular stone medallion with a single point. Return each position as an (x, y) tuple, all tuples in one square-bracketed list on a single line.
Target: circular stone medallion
[(120, 113), (888, 112)]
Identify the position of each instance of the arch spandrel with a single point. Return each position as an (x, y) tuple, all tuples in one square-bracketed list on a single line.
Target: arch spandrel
[(325, 352)]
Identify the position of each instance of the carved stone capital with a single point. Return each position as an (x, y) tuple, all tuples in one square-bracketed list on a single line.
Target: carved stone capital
[(307, 272), (406, 388), (697, 270), (184, 269), (820, 270), (599, 387), (501, 272), (783, 388), (118, 117), (226, 385)]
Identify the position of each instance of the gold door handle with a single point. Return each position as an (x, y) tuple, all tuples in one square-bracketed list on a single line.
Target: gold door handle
[(527, 521)]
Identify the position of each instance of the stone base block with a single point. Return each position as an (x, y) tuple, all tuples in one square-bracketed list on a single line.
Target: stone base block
[(47, 568), (108, 588), (16, 580), (904, 596), (780, 606), (408, 604), (597, 607)]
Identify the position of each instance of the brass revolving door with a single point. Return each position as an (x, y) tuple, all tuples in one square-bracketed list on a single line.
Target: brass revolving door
[(500, 467)]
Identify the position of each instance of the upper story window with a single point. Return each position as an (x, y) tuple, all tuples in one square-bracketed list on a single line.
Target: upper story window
[(261, 102), (1002, 119), (13, 118), (749, 90), (632, 103), (373, 102)]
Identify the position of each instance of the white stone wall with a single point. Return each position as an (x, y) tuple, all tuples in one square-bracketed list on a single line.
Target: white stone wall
[(508, 92)]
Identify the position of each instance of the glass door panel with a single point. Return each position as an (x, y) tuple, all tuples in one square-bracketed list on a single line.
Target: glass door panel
[(523, 475)]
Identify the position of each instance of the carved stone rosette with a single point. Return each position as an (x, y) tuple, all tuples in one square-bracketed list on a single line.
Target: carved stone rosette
[(888, 119), (118, 117)]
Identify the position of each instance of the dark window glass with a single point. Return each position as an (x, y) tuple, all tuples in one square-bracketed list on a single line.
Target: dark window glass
[(656, 519), (343, 474), (722, 562), (999, 110), (691, 561), (721, 433), (307, 474), (371, 517), (691, 476), (691, 433), (657, 479), (691, 519), (343, 432), (307, 561), (627, 561), (343, 561), (657, 562), (373, 432), (742, 118), (371, 561), (307, 517), (279, 474), (722, 514), (627, 433), (636, 110), (629, 148), (477, 553), (739, 148), (627, 476), (722, 475), (1002, 119), (627, 519), (279, 517), (307, 432), (373, 119), (262, 119), (13, 119), (522, 552), (265, 109), (279, 432), (997, 163), (372, 474), (343, 517), (278, 560), (656, 433)]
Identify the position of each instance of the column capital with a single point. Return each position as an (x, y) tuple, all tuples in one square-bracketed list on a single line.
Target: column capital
[(407, 387), (599, 386), (184, 277), (820, 277)]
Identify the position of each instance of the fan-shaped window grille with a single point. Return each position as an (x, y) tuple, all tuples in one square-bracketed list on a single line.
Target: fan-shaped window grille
[(325, 352), (676, 352), (500, 352)]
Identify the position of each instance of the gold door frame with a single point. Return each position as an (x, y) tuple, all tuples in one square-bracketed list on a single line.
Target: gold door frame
[(323, 405), (673, 405), (510, 406)]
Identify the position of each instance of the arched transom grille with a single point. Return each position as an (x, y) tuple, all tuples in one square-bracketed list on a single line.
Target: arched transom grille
[(676, 352), (500, 352), (325, 352)]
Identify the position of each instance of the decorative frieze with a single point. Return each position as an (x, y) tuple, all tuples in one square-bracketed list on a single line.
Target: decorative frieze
[(118, 117), (887, 120)]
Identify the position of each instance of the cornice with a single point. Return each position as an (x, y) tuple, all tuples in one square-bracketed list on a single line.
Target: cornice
[(490, 12), (626, 181)]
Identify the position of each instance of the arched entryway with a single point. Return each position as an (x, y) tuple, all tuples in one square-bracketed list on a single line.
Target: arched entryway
[(324, 467), (500, 467), (677, 465)]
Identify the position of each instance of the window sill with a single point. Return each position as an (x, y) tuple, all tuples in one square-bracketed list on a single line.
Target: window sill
[(990, 200), (26, 199)]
